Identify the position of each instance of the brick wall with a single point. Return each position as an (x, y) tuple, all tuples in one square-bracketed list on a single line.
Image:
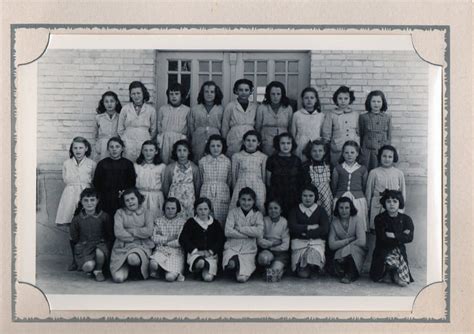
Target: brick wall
[(402, 76), (70, 84)]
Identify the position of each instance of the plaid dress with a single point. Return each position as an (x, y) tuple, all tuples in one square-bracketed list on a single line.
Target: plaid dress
[(248, 170), (319, 174), (216, 176), (168, 253), (390, 252)]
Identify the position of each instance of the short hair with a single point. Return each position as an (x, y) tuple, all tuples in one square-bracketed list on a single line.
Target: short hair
[(201, 200), (273, 199), (182, 142), (87, 192), (242, 82), (116, 139), (248, 191), (251, 133), (310, 187), (101, 107), (354, 144), (371, 95), (395, 194), (139, 84), (217, 99), (318, 142), (277, 138), (177, 87), (344, 200), (343, 89), (81, 140), (172, 200), (129, 191), (207, 148), (285, 101), (317, 105), (388, 148), (156, 158)]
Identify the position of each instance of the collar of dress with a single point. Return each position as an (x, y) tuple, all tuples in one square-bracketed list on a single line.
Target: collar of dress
[(339, 111), (85, 215), (350, 169), (137, 212), (204, 223), (308, 211)]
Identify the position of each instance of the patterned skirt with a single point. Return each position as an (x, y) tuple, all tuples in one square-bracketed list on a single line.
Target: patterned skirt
[(304, 252), (169, 258)]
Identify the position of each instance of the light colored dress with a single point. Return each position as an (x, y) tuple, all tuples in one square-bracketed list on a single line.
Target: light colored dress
[(149, 183), (135, 128), (243, 243), (357, 248), (77, 177), (340, 125), (306, 127), (271, 124), (235, 123), (380, 179), (202, 124), (133, 230), (216, 176), (106, 128), (248, 170), (168, 252), (172, 126), (183, 183)]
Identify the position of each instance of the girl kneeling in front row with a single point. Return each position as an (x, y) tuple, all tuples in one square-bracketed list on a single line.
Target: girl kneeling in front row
[(87, 232), (133, 227), (168, 255), (274, 243), (244, 225), (202, 238), (309, 225), (347, 239), (392, 231)]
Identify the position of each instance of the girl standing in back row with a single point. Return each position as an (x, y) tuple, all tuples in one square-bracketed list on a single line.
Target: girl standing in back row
[(273, 115), (205, 119), (137, 120), (106, 122), (239, 116)]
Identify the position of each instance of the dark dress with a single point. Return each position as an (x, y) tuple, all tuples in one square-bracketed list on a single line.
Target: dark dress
[(284, 181), (193, 236), (88, 232), (384, 245), (112, 176)]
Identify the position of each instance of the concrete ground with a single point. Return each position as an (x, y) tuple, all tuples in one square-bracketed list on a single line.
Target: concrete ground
[(53, 278)]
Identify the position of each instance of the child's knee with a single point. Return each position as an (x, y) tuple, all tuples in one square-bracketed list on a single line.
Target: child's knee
[(207, 277), (303, 272), (265, 258), (277, 265), (133, 260), (171, 277), (242, 278), (119, 277), (88, 266), (199, 264)]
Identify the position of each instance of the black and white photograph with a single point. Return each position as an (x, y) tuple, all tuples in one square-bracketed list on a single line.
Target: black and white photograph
[(230, 167)]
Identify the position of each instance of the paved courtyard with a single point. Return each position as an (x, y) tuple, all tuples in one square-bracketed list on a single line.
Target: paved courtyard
[(53, 278)]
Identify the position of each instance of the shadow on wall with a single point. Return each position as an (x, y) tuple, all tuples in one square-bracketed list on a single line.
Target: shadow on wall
[(53, 240)]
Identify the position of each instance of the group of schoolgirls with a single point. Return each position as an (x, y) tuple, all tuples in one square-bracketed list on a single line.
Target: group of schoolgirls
[(202, 179)]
